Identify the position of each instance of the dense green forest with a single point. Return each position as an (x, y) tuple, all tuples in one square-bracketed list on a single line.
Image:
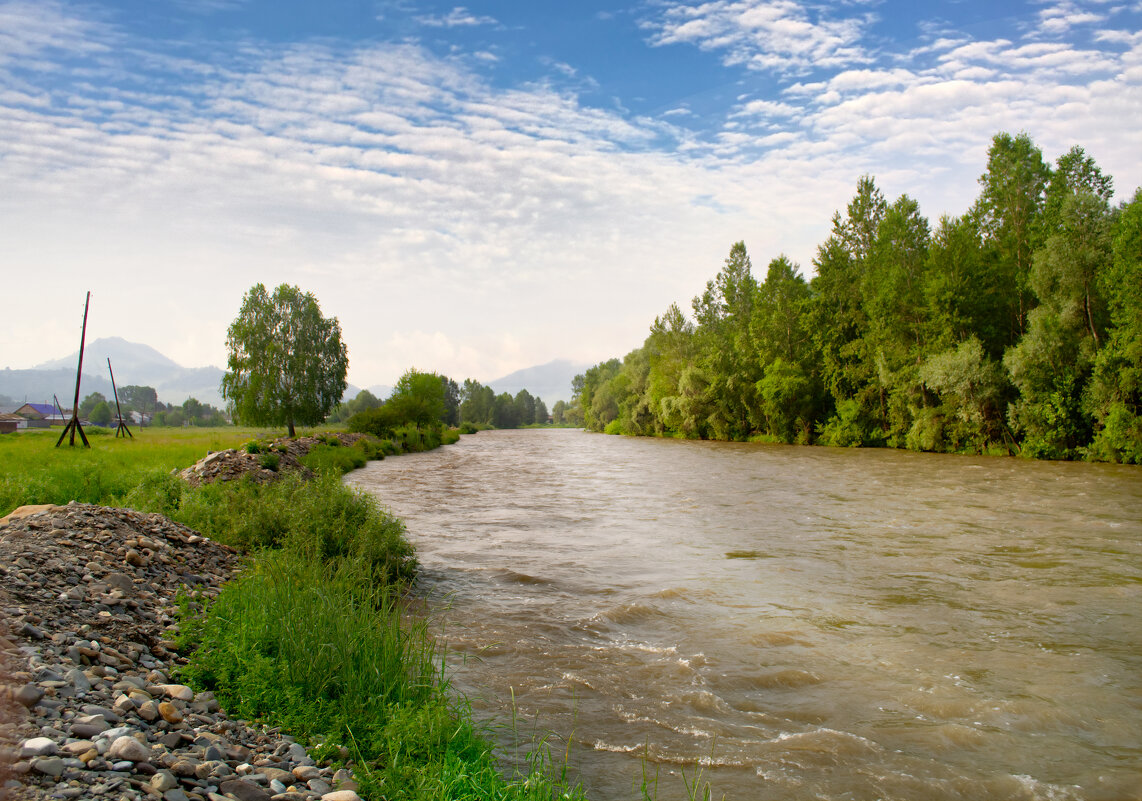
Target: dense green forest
[(1015, 328)]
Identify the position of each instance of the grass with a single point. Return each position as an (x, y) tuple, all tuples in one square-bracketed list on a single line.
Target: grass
[(33, 470), (313, 636)]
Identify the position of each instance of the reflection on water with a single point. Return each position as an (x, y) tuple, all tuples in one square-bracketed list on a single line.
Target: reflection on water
[(801, 623)]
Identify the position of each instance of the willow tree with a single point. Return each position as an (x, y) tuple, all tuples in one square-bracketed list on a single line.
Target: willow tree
[(286, 363)]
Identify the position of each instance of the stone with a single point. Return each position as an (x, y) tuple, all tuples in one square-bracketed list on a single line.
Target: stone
[(148, 711), (341, 795), (29, 695), (163, 780), (244, 791), (306, 772), (134, 558), (38, 747), (79, 747), (127, 747), (175, 795), (51, 766), (177, 691), (170, 712), (277, 774), (123, 705), (78, 680)]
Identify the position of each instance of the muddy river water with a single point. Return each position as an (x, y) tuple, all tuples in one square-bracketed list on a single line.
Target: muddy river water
[(795, 623)]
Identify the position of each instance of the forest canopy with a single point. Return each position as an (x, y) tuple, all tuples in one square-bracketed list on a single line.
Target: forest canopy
[(1014, 328)]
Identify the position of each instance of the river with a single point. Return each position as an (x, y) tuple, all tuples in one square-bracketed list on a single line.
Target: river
[(792, 622)]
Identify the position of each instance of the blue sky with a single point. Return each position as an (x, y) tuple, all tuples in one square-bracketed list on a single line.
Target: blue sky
[(475, 189)]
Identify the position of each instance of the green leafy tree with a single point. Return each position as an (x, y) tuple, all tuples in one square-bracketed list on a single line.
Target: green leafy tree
[(972, 390), (418, 399), (100, 414), (1115, 396), (725, 350), (451, 416), (1009, 208), (89, 403), (504, 411), (557, 412), (138, 398), (963, 295), (524, 407), (476, 402), (286, 361), (540, 411)]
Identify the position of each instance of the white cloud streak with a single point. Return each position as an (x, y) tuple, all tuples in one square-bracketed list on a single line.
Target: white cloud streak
[(781, 36), (470, 229)]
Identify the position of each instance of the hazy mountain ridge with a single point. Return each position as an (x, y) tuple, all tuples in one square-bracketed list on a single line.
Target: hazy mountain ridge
[(138, 364), (134, 364), (551, 381)]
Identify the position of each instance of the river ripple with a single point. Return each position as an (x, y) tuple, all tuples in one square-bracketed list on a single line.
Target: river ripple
[(801, 623)]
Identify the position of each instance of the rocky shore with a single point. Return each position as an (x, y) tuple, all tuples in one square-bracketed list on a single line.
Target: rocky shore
[(89, 704)]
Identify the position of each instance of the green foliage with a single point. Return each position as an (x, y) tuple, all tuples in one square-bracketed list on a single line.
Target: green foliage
[(90, 402), (419, 399), (101, 414), (972, 391), (1016, 327), (846, 428), (286, 363), (33, 470)]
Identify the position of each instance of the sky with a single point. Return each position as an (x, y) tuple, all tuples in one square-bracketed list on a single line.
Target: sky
[(476, 189)]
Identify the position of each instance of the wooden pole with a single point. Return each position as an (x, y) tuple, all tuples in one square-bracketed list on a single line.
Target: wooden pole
[(73, 424), (118, 411)]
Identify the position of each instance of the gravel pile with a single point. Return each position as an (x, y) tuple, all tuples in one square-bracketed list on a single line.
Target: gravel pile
[(88, 706), (284, 454)]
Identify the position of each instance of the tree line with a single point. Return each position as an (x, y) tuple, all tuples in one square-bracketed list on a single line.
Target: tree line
[(1014, 328), (145, 401), (423, 400)]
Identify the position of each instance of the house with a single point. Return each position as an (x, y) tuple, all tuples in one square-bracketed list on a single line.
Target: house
[(10, 422), (42, 415)]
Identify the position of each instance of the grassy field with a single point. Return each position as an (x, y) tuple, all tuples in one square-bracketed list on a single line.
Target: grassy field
[(34, 470), (313, 636)]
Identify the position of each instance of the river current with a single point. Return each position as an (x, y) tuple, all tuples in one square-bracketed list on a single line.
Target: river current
[(788, 622)]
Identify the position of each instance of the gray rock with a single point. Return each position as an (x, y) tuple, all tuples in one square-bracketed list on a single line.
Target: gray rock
[(163, 780), (29, 695), (244, 791), (50, 766), (38, 747), (127, 747), (78, 680)]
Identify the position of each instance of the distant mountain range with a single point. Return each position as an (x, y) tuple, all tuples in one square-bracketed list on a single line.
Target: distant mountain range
[(133, 363), (142, 365), (551, 381)]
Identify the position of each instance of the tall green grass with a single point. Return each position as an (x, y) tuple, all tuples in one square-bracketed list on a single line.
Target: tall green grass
[(34, 470)]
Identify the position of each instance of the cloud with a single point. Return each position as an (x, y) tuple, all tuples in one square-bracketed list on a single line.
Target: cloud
[(469, 228), (458, 17), (779, 36)]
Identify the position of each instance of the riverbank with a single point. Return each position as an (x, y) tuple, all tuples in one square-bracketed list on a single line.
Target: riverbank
[(307, 641)]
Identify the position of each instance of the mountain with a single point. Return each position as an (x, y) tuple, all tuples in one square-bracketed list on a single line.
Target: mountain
[(551, 381), (133, 363)]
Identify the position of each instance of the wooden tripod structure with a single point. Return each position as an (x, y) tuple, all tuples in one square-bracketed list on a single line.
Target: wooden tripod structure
[(122, 429), (73, 424)]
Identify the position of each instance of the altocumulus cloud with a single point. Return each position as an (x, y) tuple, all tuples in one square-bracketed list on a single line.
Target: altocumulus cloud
[(473, 228)]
